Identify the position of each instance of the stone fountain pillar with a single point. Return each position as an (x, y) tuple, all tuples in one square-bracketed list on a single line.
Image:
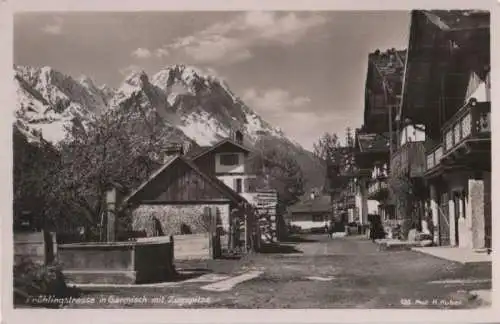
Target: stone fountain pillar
[(111, 198), (114, 195)]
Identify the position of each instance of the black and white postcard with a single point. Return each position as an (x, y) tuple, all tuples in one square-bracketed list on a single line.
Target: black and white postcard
[(250, 159)]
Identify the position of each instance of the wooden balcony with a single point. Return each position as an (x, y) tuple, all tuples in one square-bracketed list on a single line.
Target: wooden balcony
[(433, 158), (471, 125), (410, 157), (378, 189), (466, 139)]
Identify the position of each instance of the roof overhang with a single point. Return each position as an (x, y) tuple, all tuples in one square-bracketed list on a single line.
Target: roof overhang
[(421, 68), (218, 145), (219, 185)]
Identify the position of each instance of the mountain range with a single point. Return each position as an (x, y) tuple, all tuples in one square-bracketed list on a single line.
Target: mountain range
[(201, 108)]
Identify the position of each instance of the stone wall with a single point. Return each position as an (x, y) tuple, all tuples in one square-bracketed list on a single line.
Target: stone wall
[(192, 247), (39, 247), (117, 262), (171, 217)]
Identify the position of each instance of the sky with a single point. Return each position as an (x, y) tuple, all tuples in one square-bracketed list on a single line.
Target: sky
[(301, 71)]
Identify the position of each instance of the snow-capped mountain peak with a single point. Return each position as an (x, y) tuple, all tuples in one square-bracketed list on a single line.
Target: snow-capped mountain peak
[(194, 106), (86, 81), (49, 100), (136, 79), (201, 105)]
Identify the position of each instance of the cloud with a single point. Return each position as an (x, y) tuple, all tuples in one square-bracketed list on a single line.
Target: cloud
[(161, 52), (54, 28), (290, 28), (130, 69), (218, 49), (141, 53), (274, 101), (231, 41), (294, 115)]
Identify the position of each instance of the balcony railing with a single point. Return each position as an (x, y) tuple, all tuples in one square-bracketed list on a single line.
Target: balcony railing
[(472, 121), (409, 157), (434, 157), (376, 187)]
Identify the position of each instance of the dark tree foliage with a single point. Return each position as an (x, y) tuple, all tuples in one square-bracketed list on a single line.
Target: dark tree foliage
[(33, 164), (122, 145), (339, 159)]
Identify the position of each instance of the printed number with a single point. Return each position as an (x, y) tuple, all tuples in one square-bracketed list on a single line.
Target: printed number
[(405, 302)]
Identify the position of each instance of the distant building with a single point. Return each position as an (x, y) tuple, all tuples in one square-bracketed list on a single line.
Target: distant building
[(373, 143), (312, 211)]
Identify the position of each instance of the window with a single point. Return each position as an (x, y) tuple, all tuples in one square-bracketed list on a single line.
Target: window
[(229, 159), (238, 185), (317, 218), (250, 185)]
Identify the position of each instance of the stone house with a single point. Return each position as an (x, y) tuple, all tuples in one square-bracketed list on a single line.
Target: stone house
[(175, 199)]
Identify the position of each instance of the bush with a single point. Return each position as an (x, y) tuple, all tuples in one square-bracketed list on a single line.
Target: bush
[(32, 280)]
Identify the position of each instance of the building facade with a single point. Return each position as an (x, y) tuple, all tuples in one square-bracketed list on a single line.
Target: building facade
[(446, 106), (227, 161), (376, 140), (311, 212)]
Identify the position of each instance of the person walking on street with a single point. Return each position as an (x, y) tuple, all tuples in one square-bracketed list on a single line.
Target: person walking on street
[(330, 230)]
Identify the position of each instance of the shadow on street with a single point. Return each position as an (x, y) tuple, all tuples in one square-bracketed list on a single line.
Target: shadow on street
[(298, 239), (278, 248)]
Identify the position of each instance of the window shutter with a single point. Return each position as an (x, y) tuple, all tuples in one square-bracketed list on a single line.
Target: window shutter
[(235, 184)]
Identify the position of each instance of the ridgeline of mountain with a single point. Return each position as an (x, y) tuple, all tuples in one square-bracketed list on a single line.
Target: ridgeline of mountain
[(195, 106)]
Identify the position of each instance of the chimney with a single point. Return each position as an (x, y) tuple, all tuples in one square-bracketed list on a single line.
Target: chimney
[(186, 146), (238, 137), (175, 149)]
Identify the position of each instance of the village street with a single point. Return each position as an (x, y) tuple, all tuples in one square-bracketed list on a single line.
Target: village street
[(312, 272)]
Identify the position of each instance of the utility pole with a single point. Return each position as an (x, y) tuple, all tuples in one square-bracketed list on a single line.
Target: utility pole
[(389, 105)]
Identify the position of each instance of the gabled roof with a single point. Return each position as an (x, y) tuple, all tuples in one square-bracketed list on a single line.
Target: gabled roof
[(459, 27), (449, 20), (373, 142), (197, 151), (207, 149), (218, 184), (319, 204), (389, 66)]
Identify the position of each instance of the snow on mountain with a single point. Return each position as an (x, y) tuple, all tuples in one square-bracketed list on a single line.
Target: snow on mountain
[(202, 128), (107, 93), (204, 108), (61, 90), (194, 106), (48, 101), (208, 109), (200, 105)]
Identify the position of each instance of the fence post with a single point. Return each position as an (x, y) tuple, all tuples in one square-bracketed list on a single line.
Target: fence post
[(246, 232), (211, 230), (48, 247)]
